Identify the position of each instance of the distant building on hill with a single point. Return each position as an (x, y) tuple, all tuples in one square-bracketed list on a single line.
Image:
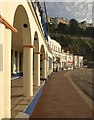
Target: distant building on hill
[(84, 25), (58, 20)]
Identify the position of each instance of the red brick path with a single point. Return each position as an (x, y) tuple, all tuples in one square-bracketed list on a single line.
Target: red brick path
[(59, 99)]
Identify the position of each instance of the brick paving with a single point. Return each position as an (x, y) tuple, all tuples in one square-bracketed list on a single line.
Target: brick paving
[(18, 101), (60, 99)]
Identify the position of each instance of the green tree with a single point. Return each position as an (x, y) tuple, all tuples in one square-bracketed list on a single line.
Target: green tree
[(89, 32), (73, 26), (61, 28)]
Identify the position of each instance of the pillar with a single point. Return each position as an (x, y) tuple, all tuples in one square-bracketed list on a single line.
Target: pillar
[(28, 71), (44, 68), (52, 66), (36, 69), (48, 67), (47, 73), (18, 62), (13, 62), (61, 65), (2, 42), (7, 73)]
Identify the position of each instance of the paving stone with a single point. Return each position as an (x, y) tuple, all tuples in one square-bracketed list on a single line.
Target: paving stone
[(22, 115), (14, 113), (18, 101), (28, 98), (20, 108), (24, 102)]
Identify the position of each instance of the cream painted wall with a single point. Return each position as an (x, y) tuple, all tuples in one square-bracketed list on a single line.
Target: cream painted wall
[(2, 37), (8, 11)]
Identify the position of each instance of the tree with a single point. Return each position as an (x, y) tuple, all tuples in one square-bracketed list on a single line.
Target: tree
[(61, 28), (89, 32), (80, 31), (74, 22), (73, 27)]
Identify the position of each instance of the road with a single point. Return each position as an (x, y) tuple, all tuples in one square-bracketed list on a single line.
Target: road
[(84, 79)]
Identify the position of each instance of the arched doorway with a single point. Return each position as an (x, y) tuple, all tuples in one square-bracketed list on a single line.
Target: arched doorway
[(22, 57), (36, 63)]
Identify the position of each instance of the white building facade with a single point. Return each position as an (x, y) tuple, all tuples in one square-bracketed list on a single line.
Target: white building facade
[(77, 61)]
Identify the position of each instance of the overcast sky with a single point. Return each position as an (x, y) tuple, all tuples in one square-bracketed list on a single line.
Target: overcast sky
[(79, 10)]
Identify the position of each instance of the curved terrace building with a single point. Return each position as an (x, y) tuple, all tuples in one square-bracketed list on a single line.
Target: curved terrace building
[(27, 53)]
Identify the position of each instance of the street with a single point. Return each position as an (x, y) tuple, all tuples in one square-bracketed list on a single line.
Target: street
[(83, 78)]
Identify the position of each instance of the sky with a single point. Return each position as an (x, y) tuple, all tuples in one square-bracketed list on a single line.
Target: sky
[(79, 10)]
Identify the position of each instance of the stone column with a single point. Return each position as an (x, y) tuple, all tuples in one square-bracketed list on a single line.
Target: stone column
[(28, 71), (37, 69), (51, 65), (2, 42), (44, 68), (61, 65), (48, 71), (7, 73)]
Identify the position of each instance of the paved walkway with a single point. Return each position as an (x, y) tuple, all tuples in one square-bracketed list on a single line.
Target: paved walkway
[(18, 101), (59, 99)]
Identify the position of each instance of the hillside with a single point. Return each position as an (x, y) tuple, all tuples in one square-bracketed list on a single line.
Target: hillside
[(74, 39), (78, 45)]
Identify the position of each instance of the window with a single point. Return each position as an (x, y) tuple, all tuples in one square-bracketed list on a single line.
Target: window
[(50, 43), (54, 47)]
